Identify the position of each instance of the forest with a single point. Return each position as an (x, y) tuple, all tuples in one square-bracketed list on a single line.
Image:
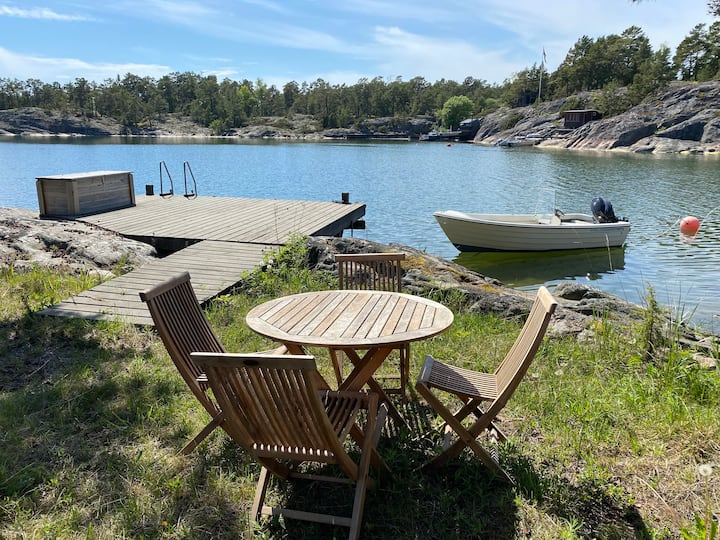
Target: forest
[(606, 63)]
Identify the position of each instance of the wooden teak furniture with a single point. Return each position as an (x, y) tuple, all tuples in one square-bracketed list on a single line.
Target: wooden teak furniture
[(183, 327), (277, 410), (491, 390), (373, 323), (379, 272), (370, 271)]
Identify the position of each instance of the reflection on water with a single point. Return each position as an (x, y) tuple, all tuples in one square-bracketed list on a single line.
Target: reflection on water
[(533, 268)]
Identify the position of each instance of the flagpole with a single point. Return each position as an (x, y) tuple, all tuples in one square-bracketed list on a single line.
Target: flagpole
[(542, 67)]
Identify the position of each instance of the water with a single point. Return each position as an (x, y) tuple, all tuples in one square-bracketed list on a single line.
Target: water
[(403, 183)]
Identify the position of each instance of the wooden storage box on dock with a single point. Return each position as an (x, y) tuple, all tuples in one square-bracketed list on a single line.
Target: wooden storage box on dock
[(73, 195)]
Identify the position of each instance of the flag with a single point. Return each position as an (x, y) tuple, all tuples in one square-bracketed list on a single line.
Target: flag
[(544, 57)]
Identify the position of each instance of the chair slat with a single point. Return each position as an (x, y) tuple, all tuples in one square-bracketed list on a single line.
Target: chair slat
[(184, 328), (275, 410), (473, 388), (373, 271)]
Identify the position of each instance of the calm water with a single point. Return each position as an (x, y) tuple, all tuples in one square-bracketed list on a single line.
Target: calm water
[(403, 183)]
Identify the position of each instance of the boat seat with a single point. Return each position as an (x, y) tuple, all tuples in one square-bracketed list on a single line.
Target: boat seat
[(550, 220)]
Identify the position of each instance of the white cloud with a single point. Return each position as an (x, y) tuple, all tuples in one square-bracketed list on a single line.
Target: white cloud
[(49, 69), (339, 42), (221, 73), (270, 6), (181, 11), (562, 23), (410, 55), (38, 13), (395, 9)]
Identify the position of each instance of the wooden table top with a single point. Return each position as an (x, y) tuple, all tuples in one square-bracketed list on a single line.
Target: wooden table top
[(349, 319)]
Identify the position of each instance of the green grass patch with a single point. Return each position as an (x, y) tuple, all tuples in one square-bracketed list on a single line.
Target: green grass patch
[(606, 435)]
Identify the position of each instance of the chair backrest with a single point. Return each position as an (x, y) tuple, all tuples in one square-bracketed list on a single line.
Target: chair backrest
[(183, 328), (516, 362), (375, 271), (273, 406)]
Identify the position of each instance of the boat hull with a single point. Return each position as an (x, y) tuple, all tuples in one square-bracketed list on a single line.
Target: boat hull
[(528, 232)]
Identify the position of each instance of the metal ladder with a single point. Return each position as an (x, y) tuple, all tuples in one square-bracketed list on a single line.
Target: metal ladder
[(189, 194)]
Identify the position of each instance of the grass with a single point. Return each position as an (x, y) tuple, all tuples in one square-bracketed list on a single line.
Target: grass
[(612, 438)]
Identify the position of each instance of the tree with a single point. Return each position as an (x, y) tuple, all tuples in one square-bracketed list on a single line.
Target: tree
[(523, 89), (689, 53), (455, 110), (709, 67), (573, 74), (655, 73), (290, 93)]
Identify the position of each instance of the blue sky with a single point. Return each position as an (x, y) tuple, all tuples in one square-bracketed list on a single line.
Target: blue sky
[(339, 41)]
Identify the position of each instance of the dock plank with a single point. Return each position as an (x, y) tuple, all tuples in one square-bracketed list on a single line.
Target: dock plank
[(119, 298), (263, 221)]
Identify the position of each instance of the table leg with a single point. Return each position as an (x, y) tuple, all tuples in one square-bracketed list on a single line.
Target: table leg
[(362, 374), (294, 348)]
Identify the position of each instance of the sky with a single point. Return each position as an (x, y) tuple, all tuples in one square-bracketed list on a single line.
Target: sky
[(339, 41)]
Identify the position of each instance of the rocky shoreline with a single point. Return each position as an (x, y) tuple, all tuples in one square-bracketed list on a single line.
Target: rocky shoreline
[(27, 241), (682, 119)]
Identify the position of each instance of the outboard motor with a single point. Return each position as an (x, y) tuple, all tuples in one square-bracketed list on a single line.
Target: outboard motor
[(603, 211)]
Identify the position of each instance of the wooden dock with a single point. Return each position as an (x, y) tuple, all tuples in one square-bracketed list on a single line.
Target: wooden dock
[(178, 221), (216, 239)]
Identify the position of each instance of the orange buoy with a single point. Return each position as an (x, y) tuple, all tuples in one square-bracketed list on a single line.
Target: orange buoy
[(689, 225)]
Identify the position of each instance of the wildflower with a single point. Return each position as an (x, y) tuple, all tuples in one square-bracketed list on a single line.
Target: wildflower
[(705, 470)]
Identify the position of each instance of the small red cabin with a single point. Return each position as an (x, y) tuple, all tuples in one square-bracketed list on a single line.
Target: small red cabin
[(578, 117)]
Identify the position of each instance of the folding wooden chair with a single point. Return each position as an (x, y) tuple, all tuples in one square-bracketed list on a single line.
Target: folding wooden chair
[(380, 272), (370, 271), (493, 390), (279, 410), (183, 327)]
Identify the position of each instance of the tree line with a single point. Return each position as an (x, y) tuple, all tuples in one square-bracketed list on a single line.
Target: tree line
[(609, 63)]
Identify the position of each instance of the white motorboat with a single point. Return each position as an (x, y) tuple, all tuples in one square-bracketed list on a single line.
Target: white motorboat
[(522, 140), (530, 232)]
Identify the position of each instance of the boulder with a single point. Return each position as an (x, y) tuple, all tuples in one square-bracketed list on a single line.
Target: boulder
[(27, 241), (711, 133), (691, 129), (429, 275)]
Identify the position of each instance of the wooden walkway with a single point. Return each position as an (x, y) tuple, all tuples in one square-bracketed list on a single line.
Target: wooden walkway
[(224, 238), (259, 221)]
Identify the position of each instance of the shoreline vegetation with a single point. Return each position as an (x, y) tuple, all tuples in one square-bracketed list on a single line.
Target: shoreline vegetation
[(612, 434), (683, 118)]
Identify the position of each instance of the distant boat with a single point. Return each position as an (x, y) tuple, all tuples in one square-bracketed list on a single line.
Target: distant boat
[(526, 140), (441, 136), (530, 232)]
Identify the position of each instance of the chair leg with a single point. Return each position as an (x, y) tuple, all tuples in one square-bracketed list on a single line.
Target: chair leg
[(200, 437), (259, 500), (404, 371), (376, 459), (373, 426), (466, 438)]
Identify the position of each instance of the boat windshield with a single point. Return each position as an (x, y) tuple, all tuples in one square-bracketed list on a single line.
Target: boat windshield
[(545, 203)]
